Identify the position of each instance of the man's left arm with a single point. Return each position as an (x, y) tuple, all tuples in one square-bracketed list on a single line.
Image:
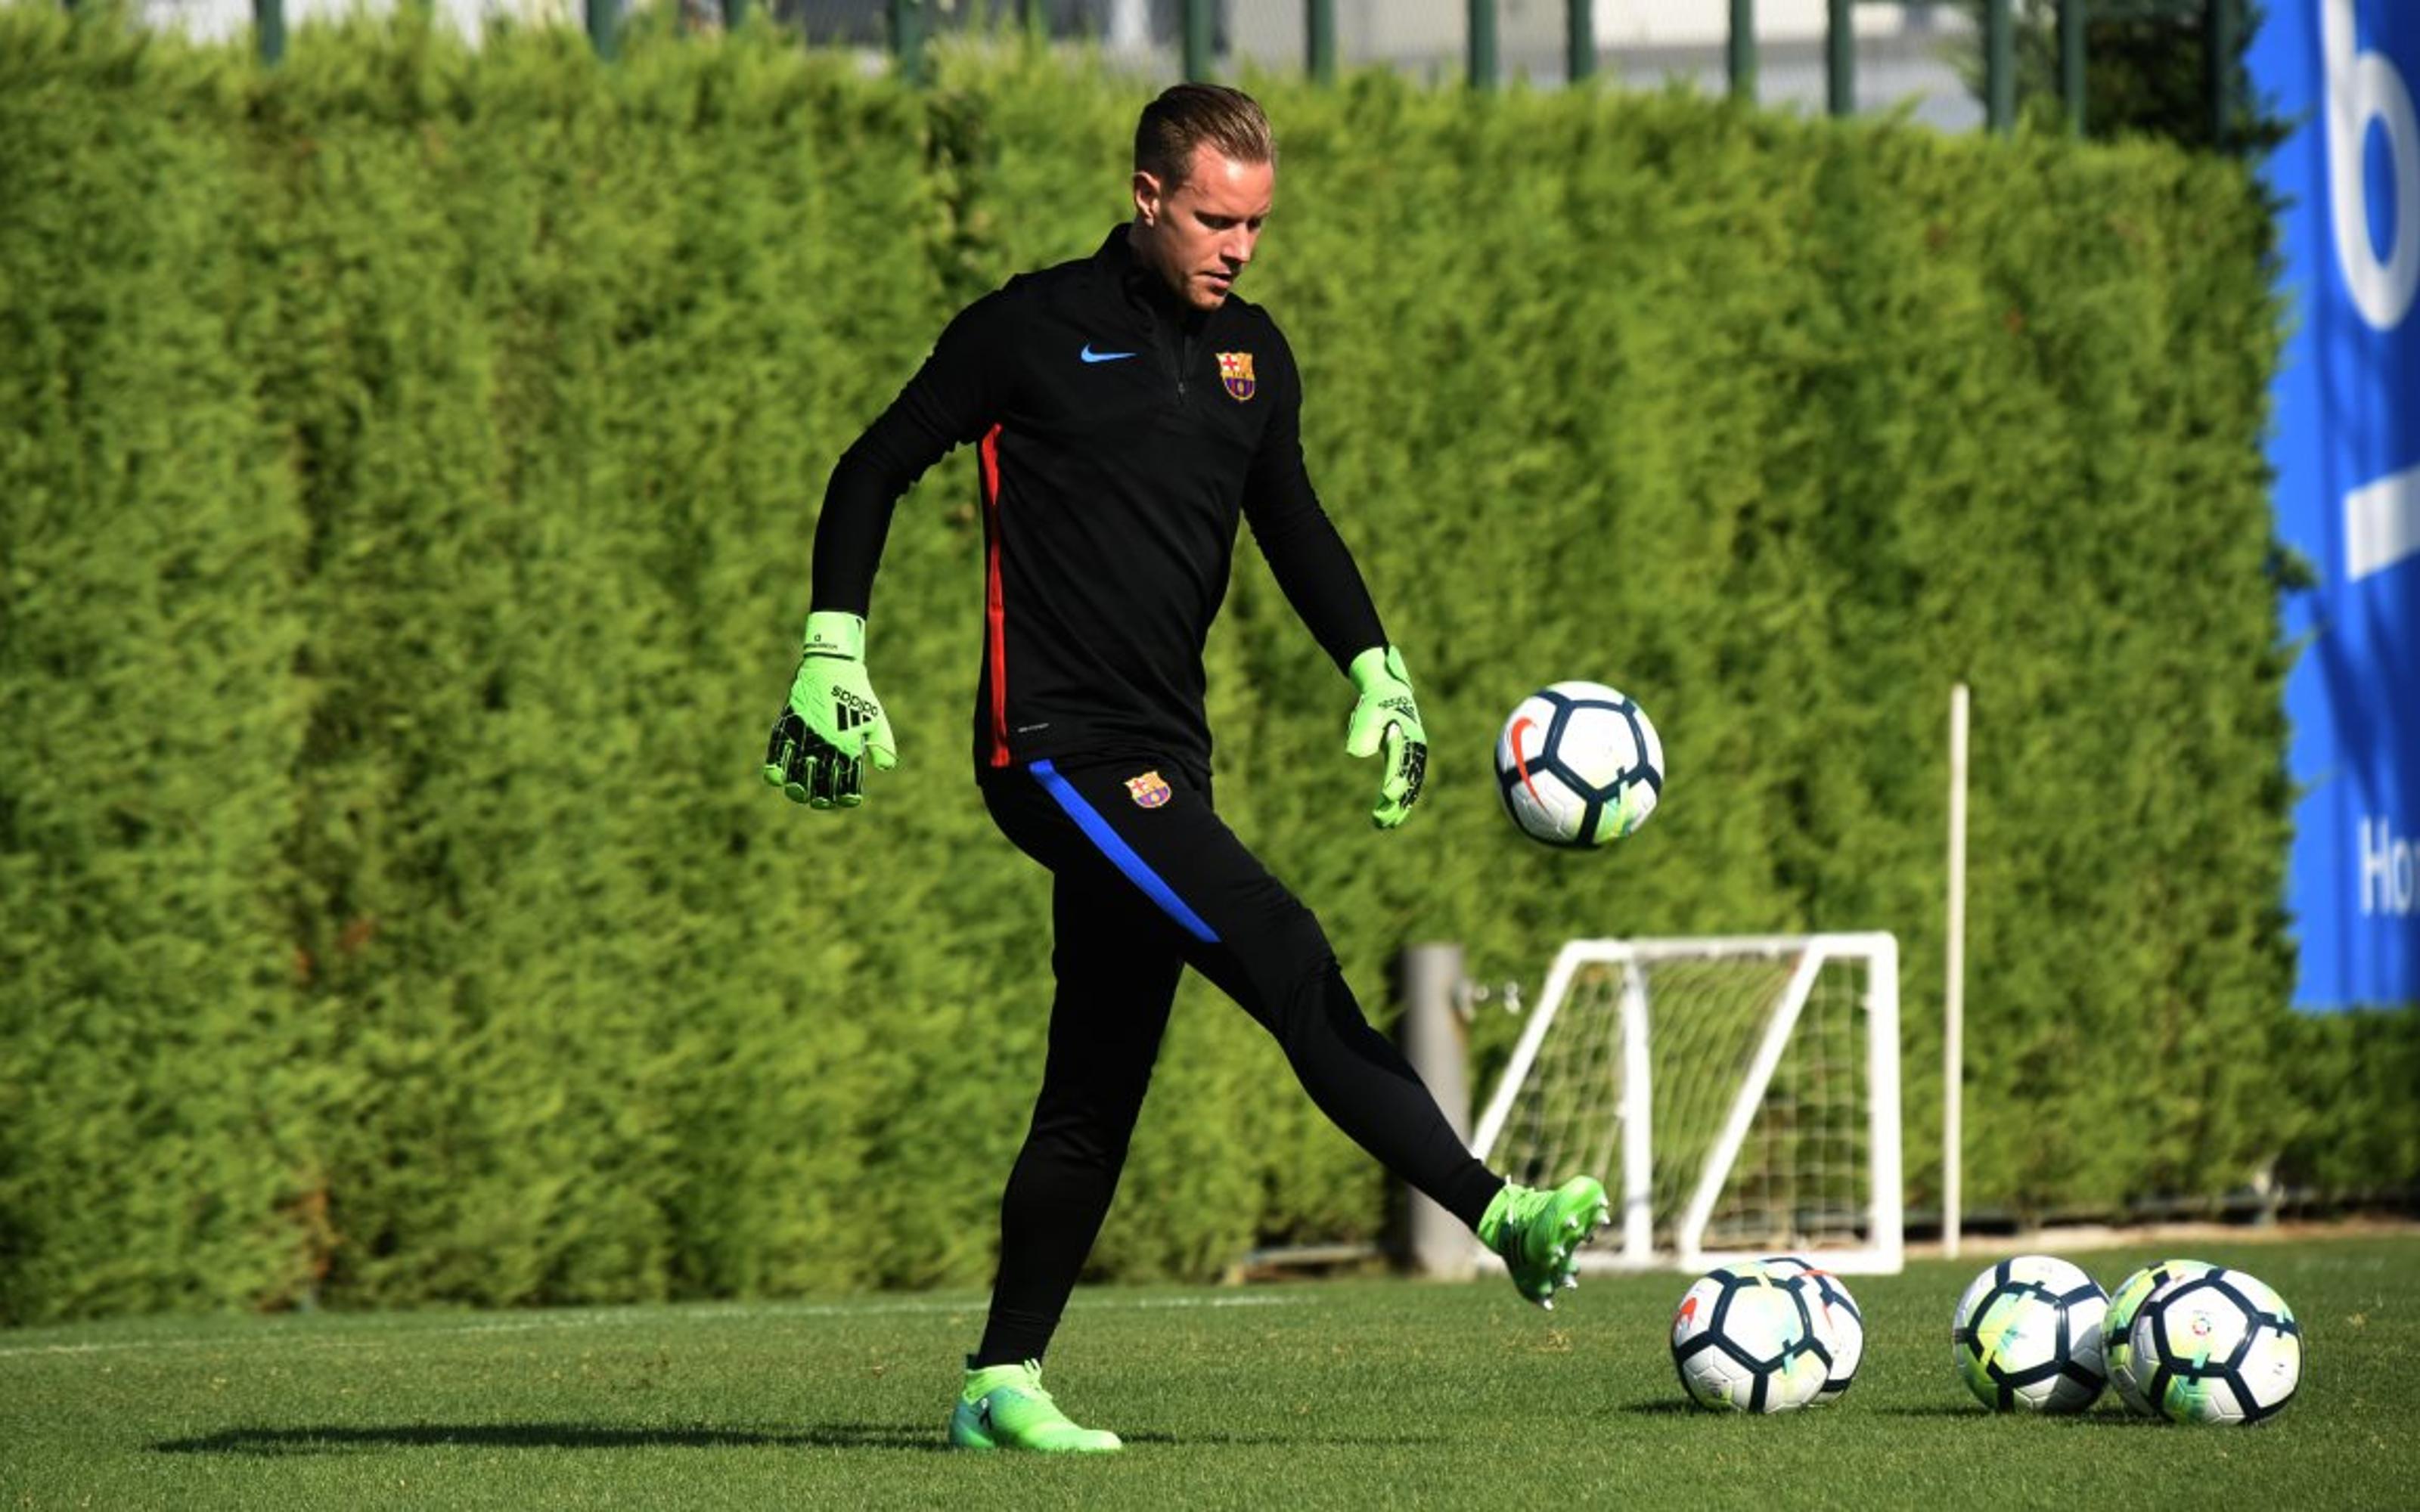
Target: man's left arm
[(1321, 581)]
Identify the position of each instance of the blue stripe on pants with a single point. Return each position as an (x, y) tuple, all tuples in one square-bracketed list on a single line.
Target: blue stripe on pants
[(1120, 854)]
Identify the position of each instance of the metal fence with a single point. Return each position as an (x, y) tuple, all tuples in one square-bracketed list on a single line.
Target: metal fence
[(1841, 57)]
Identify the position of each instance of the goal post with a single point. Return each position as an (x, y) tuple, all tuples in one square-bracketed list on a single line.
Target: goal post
[(1739, 1096)]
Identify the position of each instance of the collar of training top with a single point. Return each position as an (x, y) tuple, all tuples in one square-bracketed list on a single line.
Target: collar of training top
[(1142, 286)]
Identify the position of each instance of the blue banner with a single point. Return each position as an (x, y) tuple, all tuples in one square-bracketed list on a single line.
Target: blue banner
[(2346, 446)]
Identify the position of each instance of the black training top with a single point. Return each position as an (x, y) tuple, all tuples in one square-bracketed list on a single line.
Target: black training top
[(1122, 435)]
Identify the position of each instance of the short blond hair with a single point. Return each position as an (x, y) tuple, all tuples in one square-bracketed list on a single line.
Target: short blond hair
[(1188, 117)]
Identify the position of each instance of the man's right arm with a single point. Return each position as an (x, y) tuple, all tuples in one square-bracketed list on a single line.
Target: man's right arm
[(831, 724), (952, 399)]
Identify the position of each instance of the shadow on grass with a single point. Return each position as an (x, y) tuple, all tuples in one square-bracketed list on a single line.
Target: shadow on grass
[(1231, 1441), (285, 1442), (2098, 1419), (273, 1443)]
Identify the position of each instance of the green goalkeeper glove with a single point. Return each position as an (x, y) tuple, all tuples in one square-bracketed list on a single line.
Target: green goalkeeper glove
[(1386, 718), (832, 721)]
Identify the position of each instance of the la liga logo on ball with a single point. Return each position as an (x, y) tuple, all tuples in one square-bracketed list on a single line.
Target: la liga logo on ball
[(1580, 764)]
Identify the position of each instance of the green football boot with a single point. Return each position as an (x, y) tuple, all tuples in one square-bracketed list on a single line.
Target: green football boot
[(1539, 1233), (1004, 1407)]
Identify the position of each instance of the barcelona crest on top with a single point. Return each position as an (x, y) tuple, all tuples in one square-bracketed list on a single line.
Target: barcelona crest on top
[(1236, 371)]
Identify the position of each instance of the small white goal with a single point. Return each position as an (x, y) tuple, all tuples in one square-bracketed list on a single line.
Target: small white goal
[(1737, 1096)]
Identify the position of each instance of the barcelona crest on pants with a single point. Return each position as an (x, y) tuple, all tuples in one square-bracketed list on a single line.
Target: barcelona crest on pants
[(1149, 791), (1236, 371)]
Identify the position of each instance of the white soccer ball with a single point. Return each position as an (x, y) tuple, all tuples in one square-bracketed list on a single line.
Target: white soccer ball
[(1744, 1339), (2027, 1334), (1839, 1323), (2219, 1347), (2116, 1330), (1580, 764)]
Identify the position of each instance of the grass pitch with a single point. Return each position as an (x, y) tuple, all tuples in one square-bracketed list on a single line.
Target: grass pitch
[(1359, 1393)]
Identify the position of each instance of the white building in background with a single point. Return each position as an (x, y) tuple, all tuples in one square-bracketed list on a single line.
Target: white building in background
[(1905, 52), (1901, 49)]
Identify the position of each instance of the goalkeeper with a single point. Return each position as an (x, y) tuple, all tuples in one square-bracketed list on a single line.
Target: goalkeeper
[(1129, 411)]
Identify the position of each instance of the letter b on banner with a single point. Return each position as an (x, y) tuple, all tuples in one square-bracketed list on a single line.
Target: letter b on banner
[(2363, 88)]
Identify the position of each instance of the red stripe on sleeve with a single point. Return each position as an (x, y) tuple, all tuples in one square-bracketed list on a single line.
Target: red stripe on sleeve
[(995, 612)]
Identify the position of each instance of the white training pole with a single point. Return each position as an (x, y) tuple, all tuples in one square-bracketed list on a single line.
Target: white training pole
[(1953, 1029), (1638, 1121)]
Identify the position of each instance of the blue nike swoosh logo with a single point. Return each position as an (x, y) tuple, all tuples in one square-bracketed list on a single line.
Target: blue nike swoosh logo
[(1092, 356)]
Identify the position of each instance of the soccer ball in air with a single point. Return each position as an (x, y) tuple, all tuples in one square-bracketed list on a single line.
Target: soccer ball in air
[(1578, 764), (1745, 1338), (1838, 1324), (2027, 1334), (2217, 1347), (2116, 1330)]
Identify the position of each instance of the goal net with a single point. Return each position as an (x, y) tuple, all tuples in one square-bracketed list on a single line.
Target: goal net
[(1738, 1097)]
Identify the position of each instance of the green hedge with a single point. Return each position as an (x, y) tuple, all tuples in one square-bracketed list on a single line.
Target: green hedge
[(411, 460)]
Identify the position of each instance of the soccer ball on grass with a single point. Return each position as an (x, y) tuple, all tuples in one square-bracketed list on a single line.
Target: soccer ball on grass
[(2216, 1347), (1744, 1339), (2027, 1334), (2117, 1330)]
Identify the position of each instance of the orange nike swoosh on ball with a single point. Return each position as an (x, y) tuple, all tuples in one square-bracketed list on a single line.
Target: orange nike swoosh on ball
[(1521, 763)]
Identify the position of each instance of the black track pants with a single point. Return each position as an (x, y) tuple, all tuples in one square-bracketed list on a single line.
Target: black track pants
[(1147, 881)]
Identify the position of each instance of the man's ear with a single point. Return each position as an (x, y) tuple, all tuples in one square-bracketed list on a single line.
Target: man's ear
[(1149, 198)]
